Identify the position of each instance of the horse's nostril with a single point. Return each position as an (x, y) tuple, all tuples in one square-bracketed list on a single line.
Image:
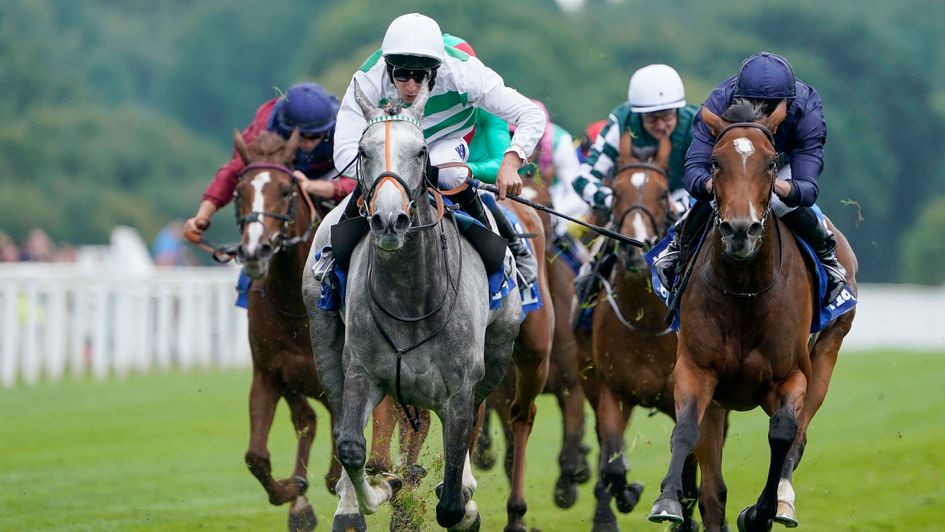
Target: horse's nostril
[(726, 229), (265, 250), (377, 224), (754, 230), (401, 223)]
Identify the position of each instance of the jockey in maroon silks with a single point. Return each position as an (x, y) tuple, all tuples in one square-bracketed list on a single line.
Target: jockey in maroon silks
[(311, 109)]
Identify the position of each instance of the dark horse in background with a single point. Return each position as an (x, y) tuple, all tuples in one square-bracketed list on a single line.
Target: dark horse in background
[(563, 369), (744, 337), (633, 350), (276, 221)]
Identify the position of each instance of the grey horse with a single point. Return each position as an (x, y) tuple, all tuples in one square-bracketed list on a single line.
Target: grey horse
[(415, 325)]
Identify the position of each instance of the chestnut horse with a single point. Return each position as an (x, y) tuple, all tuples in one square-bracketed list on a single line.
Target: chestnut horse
[(276, 221), (563, 371), (744, 329)]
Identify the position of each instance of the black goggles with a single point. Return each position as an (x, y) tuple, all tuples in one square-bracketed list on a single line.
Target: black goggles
[(405, 74)]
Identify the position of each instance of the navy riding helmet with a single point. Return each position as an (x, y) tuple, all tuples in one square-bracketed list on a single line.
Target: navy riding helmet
[(765, 76), (306, 106)]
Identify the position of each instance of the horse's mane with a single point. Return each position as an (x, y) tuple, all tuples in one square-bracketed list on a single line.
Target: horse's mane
[(643, 153), (744, 110)]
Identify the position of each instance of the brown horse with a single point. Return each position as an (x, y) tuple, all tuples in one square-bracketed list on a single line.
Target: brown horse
[(563, 373), (276, 221), (744, 331), (633, 350)]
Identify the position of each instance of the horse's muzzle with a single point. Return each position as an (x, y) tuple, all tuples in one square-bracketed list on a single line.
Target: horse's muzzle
[(389, 229), (256, 264), (741, 238)]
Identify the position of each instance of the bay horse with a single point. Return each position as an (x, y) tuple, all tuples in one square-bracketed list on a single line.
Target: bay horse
[(744, 329), (563, 375), (633, 350), (276, 221), (417, 323)]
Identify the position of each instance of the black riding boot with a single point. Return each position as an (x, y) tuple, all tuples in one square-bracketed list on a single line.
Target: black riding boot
[(326, 261), (527, 265), (805, 224), (685, 230)]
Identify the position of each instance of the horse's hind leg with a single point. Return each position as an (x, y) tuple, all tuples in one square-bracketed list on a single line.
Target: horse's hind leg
[(263, 396), (301, 515), (382, 432), (712, 491), (572, 460), (782, 432), (823, 359), (483, 455), (411, 443)]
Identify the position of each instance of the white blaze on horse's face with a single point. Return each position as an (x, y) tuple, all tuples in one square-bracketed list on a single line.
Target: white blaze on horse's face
[(640, 229), (745, 148), (256, 230)]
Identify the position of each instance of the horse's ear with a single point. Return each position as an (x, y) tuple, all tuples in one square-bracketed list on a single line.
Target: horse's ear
[(625, 156), (663, 153), (420, 101), (367, 108), (715, 123), (776, 117), (240, 144), (288, 151)]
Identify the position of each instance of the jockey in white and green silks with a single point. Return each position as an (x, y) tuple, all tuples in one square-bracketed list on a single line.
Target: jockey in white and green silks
[(413, 52)]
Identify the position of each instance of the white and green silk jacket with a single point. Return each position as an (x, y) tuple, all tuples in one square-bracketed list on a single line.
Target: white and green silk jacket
[(463, 83)]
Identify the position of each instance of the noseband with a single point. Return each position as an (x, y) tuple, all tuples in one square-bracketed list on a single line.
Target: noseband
[(288, 219), (770, 137)]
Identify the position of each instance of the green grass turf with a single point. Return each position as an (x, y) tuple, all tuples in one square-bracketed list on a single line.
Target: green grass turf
[(165, 452)]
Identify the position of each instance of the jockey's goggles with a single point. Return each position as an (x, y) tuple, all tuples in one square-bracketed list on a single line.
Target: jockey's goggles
[(312, 136), (405, 74)]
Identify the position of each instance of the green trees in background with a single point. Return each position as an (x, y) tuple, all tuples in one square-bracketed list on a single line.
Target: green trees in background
[(113, 113)]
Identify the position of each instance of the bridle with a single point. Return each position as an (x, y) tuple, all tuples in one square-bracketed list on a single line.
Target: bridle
[(279, 239), (770, 137), (764, 218), (638, 206)]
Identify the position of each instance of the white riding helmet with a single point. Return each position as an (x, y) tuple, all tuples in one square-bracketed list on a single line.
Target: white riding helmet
[(656, 88), (414, 35)]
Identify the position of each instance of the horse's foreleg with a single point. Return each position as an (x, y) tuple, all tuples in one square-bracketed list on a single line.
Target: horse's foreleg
[(782, 432), (531, 364), (612, 418), (483, 455), (360, 398), (382, 432), (694, 388), (456, 509), (301, 514), (712, 491), (263, 397)]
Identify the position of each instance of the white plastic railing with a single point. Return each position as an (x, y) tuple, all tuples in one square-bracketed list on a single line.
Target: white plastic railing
[(65, 318)]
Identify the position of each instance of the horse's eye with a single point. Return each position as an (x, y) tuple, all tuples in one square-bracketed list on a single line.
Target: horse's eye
[(286, 192), (423, 152), (715, 164), (772, 165)]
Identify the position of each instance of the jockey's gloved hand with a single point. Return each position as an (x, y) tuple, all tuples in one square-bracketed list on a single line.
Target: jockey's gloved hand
[(604, 198)]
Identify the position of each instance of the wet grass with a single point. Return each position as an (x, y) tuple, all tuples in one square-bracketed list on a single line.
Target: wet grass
[(165, 452)]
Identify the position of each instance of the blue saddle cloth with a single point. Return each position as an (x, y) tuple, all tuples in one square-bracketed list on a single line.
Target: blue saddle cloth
[(823, 313), (500, 285)]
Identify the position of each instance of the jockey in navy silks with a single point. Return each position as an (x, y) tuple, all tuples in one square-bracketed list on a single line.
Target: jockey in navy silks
[(766, 79)]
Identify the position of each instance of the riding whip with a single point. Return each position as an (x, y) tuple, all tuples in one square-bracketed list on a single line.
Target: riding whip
[(475, 183)]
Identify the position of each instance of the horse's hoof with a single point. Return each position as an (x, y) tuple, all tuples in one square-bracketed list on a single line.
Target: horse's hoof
[(745, 521), (473, 527), (605, 526), (786, 514), (349, 523), (565, 493), (414, 474), (302, 520), (484, 460), (392, 480), (628, 499), (666, 511)]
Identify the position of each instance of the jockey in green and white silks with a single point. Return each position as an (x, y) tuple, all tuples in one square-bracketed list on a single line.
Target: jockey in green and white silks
[(413, 52)]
